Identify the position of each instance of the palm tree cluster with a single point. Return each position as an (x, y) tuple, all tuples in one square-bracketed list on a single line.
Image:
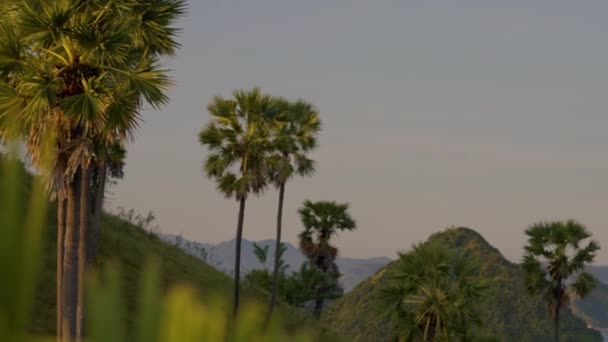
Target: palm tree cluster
[(296, 288), (432, 295), (254, 141), (73, 77), (317, 279)]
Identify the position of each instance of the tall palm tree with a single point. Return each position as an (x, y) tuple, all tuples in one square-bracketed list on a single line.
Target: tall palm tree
[(80, 70), (295, 129), (323, 220), (554, 264), (238, 140), (432, 294)]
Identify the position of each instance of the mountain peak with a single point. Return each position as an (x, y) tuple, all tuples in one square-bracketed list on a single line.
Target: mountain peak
[(459, 235), (470, 242)]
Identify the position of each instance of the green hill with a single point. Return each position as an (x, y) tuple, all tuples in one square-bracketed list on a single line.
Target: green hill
[(507, 310)]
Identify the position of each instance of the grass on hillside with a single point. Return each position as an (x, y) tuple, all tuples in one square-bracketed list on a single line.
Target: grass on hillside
[(129, 247)]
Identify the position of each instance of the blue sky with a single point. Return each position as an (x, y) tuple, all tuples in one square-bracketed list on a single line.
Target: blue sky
[(486, 114)]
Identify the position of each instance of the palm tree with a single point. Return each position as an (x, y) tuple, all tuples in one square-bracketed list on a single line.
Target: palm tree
[(432, 294), (238, 140), (295, 129), (79, 71), (322, 220), (261, 253), (554, 264)]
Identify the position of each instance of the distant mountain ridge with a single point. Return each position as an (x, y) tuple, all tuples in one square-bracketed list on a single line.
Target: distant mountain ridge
[(600, 272), (221, 256)]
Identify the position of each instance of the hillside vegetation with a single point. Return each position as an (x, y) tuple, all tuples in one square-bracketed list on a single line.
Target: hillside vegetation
[(129, 247), (508, 311)]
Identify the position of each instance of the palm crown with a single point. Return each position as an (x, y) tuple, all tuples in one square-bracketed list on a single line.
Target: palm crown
[(432, 293), (238, 140), (321, 221), (82, 70), (554, 254), (295, 126)]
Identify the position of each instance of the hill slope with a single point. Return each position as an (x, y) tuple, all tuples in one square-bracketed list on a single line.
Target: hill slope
[(594, 308), (508, 311), (354, 270), (129, 247)]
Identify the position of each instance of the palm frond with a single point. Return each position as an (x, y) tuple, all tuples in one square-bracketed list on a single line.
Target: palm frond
[(122, 114), (12, 104), (583, 284), (84, 107), (45, 25), (154, 23), (151, 82), (12, 51), (108, 44)]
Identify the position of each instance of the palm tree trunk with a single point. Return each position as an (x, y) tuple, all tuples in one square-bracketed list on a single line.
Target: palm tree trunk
[(277, 255), (237, 255), (558, 293), (432, 330), (61, 208), (556, 336), (69, 295), (318, 305), (97, 199), (85, 220)]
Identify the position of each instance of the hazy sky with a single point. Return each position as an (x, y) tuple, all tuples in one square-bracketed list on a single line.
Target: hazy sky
[(486, 114)]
